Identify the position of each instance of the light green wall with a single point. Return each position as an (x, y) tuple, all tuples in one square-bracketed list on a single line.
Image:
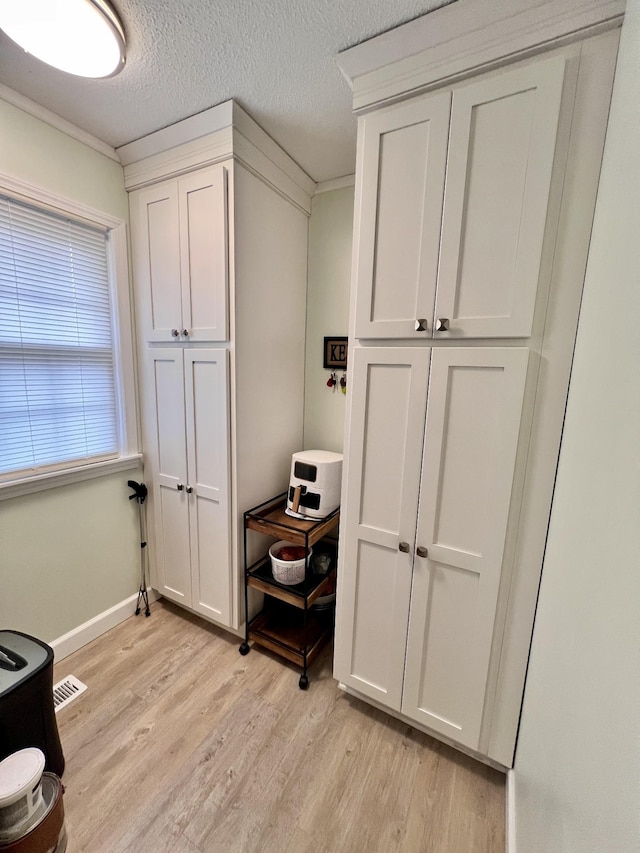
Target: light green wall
[(576, 782), (69, 553), (330, 238), (36, 152)]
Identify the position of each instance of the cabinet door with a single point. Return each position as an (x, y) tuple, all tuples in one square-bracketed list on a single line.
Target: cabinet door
[(157, 260), (207, 407), (403, 152), (383, 454), (203, 254), (501, 151), (471, 436), (169, 460)]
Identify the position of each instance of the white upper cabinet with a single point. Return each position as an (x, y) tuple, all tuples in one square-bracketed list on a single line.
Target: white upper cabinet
[(463, 261), (404, 156), (180, 227), (501, 151)]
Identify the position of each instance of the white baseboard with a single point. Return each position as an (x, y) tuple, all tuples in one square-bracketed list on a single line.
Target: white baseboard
[(510, 814), (483, 759), (94, 628)]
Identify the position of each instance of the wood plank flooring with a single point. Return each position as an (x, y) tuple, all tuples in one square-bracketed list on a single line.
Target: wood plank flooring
[(181, 744)]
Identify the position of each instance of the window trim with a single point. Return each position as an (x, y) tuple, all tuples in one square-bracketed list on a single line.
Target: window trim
[(129, 455)]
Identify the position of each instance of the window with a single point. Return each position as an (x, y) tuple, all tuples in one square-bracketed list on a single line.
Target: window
[(60, 399)]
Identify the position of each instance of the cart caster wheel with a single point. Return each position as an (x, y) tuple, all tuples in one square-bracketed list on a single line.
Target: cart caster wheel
[(303, 684), (147, 613), (137, 611), (244, 649)]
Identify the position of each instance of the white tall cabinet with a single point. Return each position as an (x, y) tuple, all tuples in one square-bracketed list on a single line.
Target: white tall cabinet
[(474, 203), (219, 242)]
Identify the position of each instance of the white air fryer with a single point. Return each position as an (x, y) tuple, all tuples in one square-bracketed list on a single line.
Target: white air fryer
[(314, 487)]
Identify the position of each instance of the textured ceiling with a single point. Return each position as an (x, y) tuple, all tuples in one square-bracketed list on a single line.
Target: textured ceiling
[(274, 57)]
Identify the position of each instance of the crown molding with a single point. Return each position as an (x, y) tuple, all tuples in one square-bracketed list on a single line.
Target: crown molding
[(43, 114), (184, 157), (466, 36), (217, 134), (182, 132), (335, 184)]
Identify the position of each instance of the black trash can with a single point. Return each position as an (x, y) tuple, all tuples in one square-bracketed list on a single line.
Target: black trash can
[(27, 715)]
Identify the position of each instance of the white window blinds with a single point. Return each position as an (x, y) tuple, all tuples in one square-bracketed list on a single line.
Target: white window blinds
[(57, 383)]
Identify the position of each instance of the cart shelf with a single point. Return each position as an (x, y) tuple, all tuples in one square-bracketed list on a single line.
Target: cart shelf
[(259, 577), (282, 630), (270, 518), (289, 625)]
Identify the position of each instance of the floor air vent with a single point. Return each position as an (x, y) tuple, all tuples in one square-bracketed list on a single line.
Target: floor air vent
[(65, 691)]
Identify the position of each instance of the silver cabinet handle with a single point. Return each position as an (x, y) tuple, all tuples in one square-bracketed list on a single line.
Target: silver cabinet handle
[(422, 552), (175, 333), (442, 325), (180, 487), (189, 490), (185, 332), (404, 547), (422, 326)]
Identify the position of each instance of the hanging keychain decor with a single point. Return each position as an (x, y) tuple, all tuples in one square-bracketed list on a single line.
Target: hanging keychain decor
[(139, 495), (332, 380), (343, 383)]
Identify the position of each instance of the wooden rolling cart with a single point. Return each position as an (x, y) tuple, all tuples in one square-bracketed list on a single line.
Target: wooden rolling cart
[(287, 624)]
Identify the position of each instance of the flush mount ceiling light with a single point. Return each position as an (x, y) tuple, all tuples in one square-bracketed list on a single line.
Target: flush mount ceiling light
[(83, 37)]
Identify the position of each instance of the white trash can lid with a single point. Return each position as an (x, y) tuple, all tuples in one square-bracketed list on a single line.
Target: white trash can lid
[(19, 773)]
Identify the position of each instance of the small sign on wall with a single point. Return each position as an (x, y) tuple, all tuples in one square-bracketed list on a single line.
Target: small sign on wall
[(335, 353)]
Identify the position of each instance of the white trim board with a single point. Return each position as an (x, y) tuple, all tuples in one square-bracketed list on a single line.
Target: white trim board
[(510, 813), (37, 111), (99, 625), (54, 479)]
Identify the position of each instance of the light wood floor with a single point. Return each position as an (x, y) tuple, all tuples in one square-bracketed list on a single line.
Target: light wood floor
[(180, 744)]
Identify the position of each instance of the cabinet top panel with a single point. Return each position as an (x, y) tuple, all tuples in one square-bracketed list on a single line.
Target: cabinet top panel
[(465, 37)]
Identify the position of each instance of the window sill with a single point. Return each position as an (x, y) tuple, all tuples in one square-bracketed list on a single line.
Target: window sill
[(40, 482)]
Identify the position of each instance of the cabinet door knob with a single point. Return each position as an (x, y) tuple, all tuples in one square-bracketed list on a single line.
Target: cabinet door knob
[(185, 332), (422, 326), (189, 489), (175, 333), (404, 547), (180, 487), (442, 325), (422, 552)]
